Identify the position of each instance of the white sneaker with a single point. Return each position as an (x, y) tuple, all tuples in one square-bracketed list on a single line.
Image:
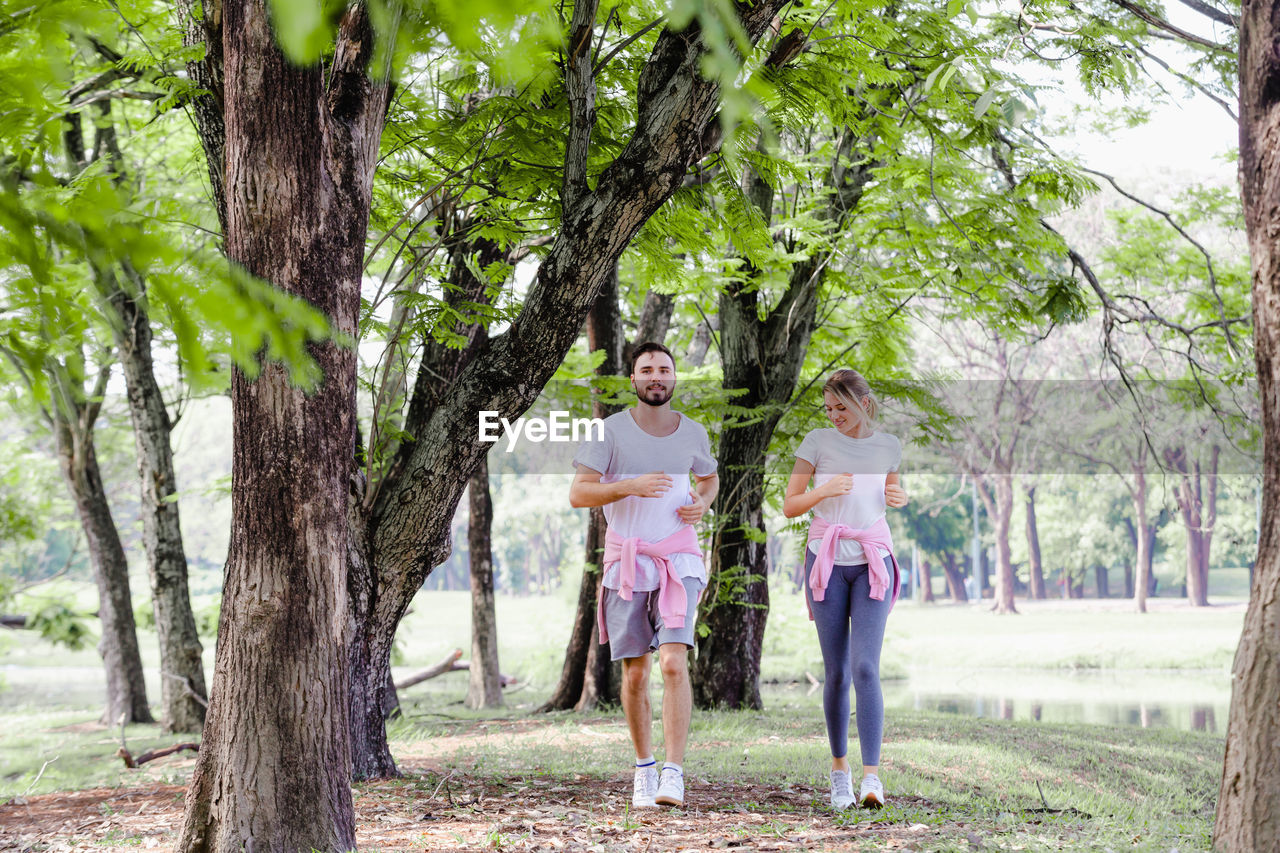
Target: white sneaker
[(871, 793), (671, 788), (841, 789), (644, 787)]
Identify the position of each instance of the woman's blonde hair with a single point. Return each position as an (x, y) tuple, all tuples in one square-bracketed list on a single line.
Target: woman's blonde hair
[(850, 387)]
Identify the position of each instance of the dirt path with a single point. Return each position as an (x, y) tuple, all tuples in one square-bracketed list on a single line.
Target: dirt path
[(433, 811)]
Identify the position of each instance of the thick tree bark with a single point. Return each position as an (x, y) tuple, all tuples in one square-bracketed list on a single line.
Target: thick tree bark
[(1033, 547), (182, 684), (484, 688), (1248, 816), (78, 461), (275, 764), (955, 578)]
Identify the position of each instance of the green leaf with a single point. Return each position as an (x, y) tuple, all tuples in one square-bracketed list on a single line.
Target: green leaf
[(933, 75), (984, 102), (946, 76)]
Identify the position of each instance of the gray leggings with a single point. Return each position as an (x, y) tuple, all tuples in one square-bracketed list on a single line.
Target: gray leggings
[(850, 632)]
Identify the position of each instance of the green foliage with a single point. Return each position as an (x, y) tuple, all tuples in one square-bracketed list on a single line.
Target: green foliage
[(59, 624), (98, 199)]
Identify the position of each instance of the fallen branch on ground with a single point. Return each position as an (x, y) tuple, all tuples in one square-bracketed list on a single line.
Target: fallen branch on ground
[(152, 754), (451, 663)]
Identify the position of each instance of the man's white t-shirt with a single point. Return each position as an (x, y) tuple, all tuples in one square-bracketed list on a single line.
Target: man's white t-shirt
[(869, 460), (628, 451)]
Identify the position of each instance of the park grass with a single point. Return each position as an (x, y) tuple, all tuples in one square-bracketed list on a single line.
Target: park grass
[(956, 783), (964, 778)]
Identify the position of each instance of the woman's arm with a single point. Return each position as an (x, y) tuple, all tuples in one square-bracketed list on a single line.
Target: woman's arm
[(798, 501), (894, 495)]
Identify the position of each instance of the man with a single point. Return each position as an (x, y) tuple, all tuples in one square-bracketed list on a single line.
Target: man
[(653, 568)]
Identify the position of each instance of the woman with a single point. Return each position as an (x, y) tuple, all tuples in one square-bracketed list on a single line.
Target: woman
[(852, 573)]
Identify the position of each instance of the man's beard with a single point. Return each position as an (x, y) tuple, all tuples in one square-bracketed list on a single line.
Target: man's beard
[(664, 395)]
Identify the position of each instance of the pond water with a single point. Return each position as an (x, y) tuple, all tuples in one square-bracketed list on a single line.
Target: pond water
[(1184, 700), (1194, 700)]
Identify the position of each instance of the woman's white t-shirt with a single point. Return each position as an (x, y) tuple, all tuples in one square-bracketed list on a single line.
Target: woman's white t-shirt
[(628, 451), (869, 460)]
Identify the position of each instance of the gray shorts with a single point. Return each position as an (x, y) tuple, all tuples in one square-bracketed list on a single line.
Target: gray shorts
[(635, 627)]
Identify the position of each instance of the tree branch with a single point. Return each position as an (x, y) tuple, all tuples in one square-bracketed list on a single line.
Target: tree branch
[(580, 84), (1213, 13), (1161, 23), (1190, 81), (622, 45), (1225, 323)]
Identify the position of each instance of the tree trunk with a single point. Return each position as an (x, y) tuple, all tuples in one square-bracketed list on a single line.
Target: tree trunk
[(955, 578), (1248, 816), (126, 689), (584, 678), (762, 353), (1145, 536), (1033, 548), (926, 580), (274, 767), (999, 504), (735, 607), (372, 699), (982, 573), (181, 666), (1196, 520), (1102, 581), (484, 688), (697, 352)]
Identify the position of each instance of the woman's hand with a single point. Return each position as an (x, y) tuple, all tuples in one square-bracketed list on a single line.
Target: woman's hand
[(895, 496), (840, 484)]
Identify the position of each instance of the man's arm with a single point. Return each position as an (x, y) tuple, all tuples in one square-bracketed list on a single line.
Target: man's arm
[(587, 490), (703, 493)]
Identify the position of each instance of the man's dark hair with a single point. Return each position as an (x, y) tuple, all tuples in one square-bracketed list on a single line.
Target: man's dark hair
[(650, 346)]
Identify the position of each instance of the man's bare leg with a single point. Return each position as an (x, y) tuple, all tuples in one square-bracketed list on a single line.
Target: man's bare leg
[(635, 703), (677, 700)]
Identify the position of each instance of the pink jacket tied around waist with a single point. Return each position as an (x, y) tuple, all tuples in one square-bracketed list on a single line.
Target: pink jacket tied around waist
[(672, 599), (872, 539)]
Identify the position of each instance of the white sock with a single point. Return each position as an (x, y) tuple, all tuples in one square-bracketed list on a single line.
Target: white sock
[(645, 762), (668, 765)]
